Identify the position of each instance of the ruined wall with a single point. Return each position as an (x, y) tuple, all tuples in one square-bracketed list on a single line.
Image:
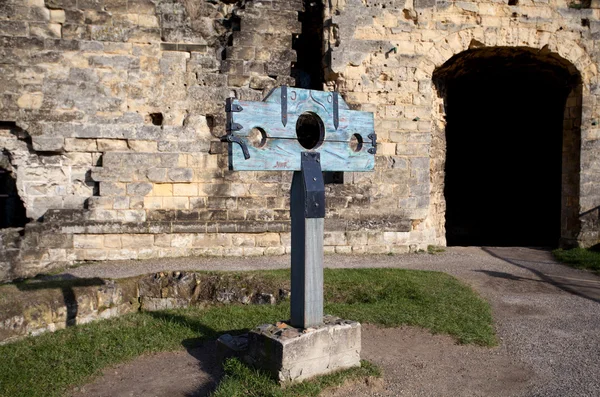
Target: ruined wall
[(127, 77), (32, 308), (383, 57), (111, 112)]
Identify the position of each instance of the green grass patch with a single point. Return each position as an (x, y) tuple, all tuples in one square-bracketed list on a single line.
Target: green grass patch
[(51, 363), (579, 258), (242, 381), (394, 297), (434, 249)]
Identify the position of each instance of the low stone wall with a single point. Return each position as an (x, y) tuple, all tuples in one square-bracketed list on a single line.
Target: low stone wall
[(40, 306), (67, 237)]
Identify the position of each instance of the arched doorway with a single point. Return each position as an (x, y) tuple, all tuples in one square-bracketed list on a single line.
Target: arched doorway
[(512, 142)]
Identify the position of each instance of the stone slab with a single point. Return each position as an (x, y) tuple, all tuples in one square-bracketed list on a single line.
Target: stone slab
[(291, 354)]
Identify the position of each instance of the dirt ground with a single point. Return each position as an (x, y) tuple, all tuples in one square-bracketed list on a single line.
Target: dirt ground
[(415, 363), (191, 373), (547, 320)]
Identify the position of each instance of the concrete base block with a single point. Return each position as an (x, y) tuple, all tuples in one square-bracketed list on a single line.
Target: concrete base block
[(292, 354)]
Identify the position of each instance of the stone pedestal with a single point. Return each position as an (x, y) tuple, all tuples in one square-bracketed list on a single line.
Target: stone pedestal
[(291, 354)]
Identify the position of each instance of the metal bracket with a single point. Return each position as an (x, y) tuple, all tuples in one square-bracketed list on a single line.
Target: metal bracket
[(230, 138), (336, 111), (314, 186), (232, 127), (373, 138), (232, 107), (284, 107)]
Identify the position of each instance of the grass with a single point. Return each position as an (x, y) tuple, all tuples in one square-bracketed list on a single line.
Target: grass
[(393, 297), (579, 258), (242, 381), (50, 364), (434, 249)]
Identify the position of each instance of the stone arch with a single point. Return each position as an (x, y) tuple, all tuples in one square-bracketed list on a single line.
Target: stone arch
[(552, 48), (460, 41)]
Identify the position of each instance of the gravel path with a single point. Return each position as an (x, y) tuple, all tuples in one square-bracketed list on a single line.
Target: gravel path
[(547, 317)]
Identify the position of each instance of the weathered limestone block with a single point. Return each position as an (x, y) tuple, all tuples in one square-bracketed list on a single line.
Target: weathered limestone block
[(137, 240), (180, 174), (48, 144), (49, 305), (143, 146), (334, 238), (45, 30), (139, 189), (114, 145), (292, 355), (135, 216), (177, 289), (31, 100), (112, 189)]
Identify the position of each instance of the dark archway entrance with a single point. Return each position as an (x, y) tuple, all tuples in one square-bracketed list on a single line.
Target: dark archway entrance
[(12, 211), (506, 135)]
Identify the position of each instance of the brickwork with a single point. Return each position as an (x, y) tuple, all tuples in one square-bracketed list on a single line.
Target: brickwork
[(117, 106)]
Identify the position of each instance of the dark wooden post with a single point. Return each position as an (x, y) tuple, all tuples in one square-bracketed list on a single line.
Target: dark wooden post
[(307, 202)]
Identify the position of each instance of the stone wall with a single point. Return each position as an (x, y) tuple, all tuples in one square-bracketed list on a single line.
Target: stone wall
[(111, 112), (35, 307), (383, 58)]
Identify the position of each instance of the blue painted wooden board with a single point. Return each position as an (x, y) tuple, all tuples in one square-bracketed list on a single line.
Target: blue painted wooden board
[(281, 151)]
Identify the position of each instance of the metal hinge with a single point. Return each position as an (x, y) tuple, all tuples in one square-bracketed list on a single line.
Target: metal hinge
[(373, 138), (314, 186), (232, 127), (235, 139), (232, 107)]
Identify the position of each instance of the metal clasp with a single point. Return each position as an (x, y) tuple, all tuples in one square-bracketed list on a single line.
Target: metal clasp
[(231, 127), (373, 138)]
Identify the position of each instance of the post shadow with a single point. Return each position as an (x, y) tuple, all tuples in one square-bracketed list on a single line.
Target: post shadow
[(203, 348), (568, 286), (66, 283)]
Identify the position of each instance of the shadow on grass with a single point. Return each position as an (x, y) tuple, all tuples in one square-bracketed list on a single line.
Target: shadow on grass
[(203, 349), (209, 362), (588, 289)]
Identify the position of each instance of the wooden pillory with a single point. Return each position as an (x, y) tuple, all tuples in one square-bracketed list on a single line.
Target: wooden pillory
[(307, 132)]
